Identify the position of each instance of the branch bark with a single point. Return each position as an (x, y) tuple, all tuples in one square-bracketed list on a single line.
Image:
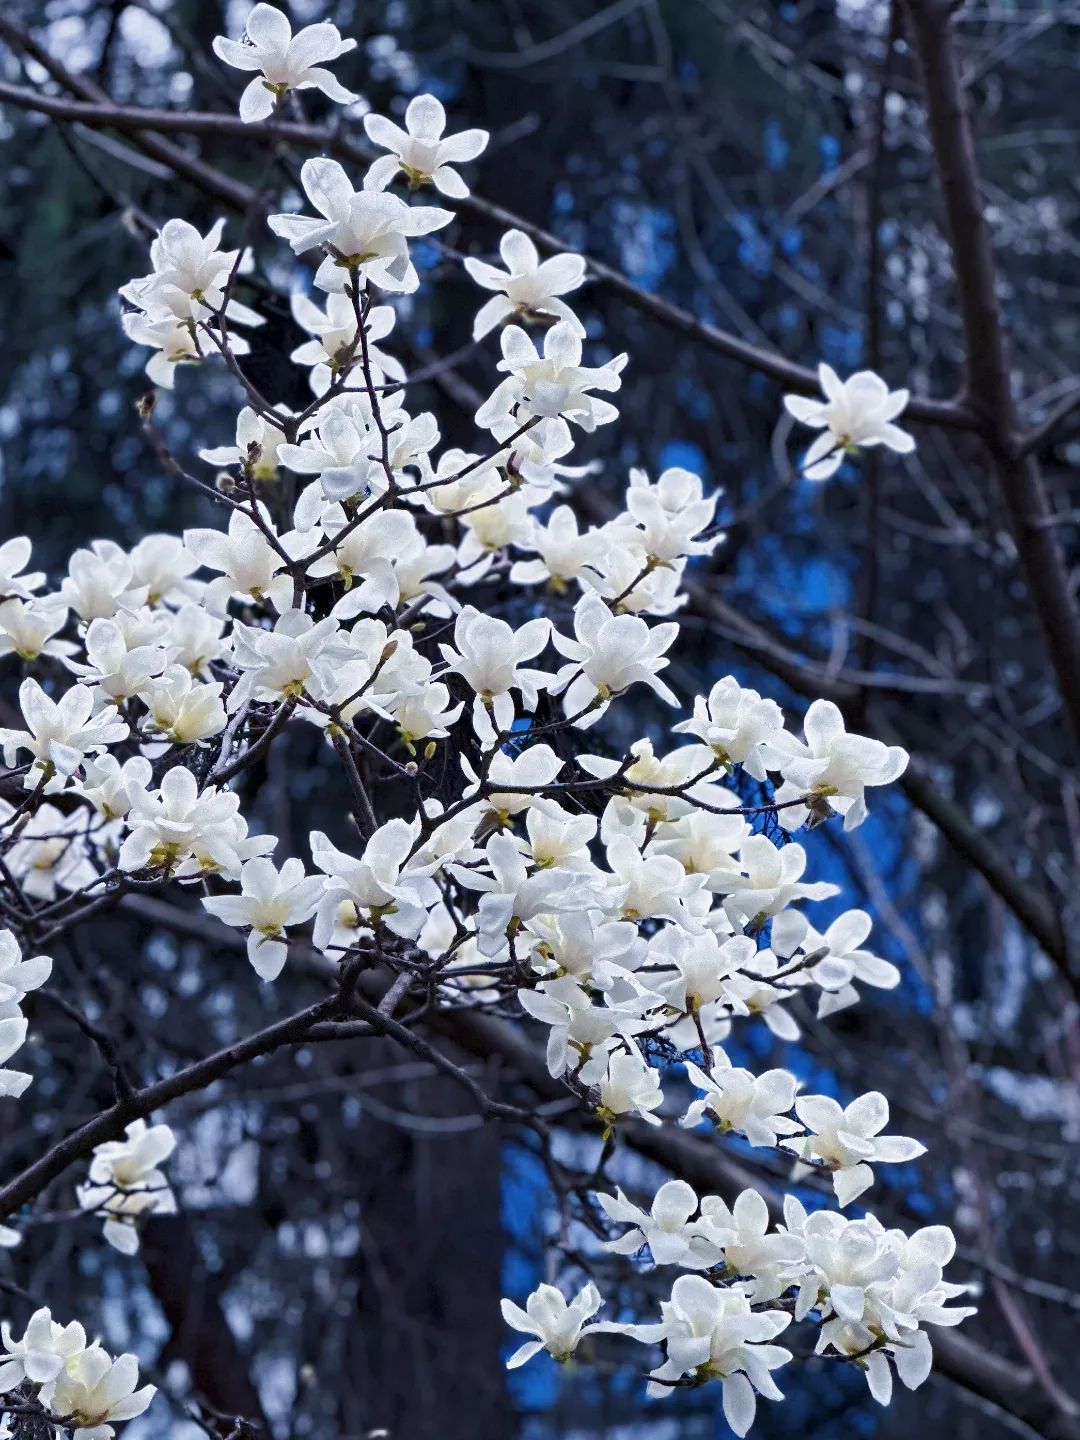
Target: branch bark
[(989, 383)]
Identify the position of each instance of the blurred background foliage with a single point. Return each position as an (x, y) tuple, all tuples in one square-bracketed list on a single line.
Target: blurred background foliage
[(346, 1235)]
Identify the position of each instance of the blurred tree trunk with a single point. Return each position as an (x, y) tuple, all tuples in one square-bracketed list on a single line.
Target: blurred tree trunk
[(425, 1357)]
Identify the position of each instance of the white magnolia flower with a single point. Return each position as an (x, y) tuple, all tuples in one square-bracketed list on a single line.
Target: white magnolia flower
[(162, 563), (175, 342), (580, 1030), (336, 349), (256, 448), (285, 61), (278, 664), (740, 727), (18, 976), (650, 887), (702, 968), (190, 278), (28, 628), (855, 412), (630, 1087), (187, 832), (559, 1328), (60, 733), (554, 386), (100, 581), (109, 786), (247, 563), (117, 664), (528, 288), (365, 231), (667, 516), (529, 773), (712, 1333), (345, 454), (181, 709), (848, 1139), (126, 1183), (756, 1106), (835, 768), (14, 558), (488, 657), (421, 150), (269, 901), (93, 1390), (12, 1036), (769, 880), (608, 654), (388, 885), (564, 553), (41, 1354), (513, 893), (49, 854), (741, 1230), (843, 962), (672, 1236)]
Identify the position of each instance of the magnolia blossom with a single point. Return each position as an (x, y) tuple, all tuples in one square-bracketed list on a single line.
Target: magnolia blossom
[(366, 232), (190, 277), (12, 1036), (559, 1327), (488, 657), (285, 61), (608, 654), (95, 1390), (247, 562), (256, 448), (421, 150), (756, 1106), (182, 709), (269, 901), (18, 976), (387, 886), (848, 1139), (856, 412), (41, 1354), (835, 768), (60, 733), (28, 628), (14, 578), (528, 288), (552, 387), (187, 832), (667, 1228), (630, 1087), (740, 728), (126, 1182), (711, 1333)]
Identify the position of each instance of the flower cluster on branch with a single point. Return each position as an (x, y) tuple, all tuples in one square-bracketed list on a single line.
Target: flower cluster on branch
[(437, 612)]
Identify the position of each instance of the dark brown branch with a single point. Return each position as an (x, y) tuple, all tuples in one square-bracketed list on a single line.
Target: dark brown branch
[(989, 384), (110, 1124)]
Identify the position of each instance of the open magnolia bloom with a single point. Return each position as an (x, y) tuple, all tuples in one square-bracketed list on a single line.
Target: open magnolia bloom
[(855, 413), (284, 61), (421, 151), (126, 1183)]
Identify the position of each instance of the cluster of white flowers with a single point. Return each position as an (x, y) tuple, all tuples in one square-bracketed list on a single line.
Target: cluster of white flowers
[(631, 908), (869, 1289), (79, 1383)]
